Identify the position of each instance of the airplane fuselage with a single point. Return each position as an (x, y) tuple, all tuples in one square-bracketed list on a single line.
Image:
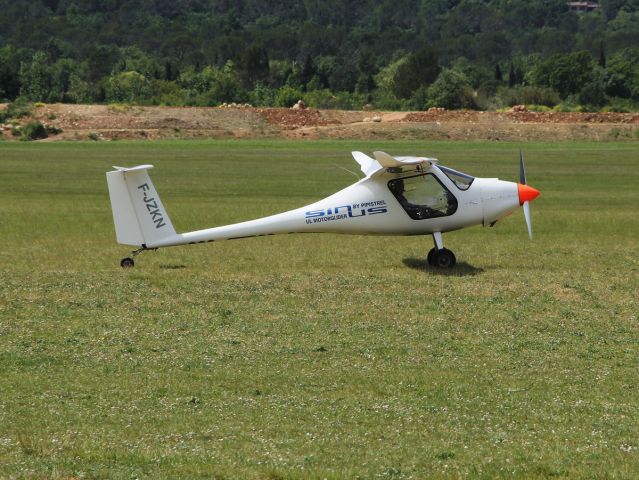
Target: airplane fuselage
[(370, 207)]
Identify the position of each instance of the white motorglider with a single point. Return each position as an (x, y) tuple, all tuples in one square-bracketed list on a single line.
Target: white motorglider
[(398, 196)]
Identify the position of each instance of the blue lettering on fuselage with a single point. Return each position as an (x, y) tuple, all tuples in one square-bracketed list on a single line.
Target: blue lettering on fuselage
[(346, 211)]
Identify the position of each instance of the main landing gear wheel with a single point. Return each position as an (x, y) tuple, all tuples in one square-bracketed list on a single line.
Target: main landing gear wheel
[(127, 262), (443, 258), (430, 257)]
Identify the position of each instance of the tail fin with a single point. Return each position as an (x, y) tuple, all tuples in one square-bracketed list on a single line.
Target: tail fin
[(139, 216)]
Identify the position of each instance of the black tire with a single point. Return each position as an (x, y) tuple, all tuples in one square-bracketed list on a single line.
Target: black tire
[(127, 262), (444, 258), (431, 257)]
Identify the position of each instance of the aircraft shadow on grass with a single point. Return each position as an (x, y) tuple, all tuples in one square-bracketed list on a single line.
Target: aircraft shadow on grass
[(172, 266), (461, 269)]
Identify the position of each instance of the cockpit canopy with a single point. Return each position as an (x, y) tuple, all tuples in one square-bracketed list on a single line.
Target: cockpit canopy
[(423, 196)]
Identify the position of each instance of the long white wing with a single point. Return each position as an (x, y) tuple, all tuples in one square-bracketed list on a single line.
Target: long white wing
[(388, 161), (368, 165)]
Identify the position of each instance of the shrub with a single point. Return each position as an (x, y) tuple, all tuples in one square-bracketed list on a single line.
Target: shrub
[(622, 105), (212, 86), (18, 109), (131, 87), (52, 130), (287, 96), (451, 90), (339, 100), (167, 93), (592, 94), (33, 131), (385, 100), (419, 100), (531, 96), (565, 107), (262, 95), (538, 108), (323, 98), (119, 107)]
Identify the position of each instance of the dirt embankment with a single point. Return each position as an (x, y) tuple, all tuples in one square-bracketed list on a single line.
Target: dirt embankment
[(100, 122)]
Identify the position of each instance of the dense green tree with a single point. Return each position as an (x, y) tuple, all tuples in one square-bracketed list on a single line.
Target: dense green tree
[(621, 76), (477, 75), (565, 73), (133, 59), (35, 79), (602, 55), (512, 76), (128, 87), (10, 60), (307, 71), (253, 65), (212, 85), (592, 94), (367, 69), (451, 90), (101, 61), (420, 69), (468, 17), (62, 73)]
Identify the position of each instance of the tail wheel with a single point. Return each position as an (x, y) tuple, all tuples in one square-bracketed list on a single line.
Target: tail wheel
[(127, 262)]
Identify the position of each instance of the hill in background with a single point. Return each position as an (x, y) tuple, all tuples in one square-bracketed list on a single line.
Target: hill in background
[(335, 54)]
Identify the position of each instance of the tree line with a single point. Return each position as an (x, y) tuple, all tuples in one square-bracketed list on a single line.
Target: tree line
[(400, 54)]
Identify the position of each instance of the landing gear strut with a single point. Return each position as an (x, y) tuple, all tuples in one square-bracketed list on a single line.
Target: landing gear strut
[(127, 262), (438, 256)]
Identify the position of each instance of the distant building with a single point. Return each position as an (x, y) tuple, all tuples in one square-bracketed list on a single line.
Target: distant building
[(582, 7)]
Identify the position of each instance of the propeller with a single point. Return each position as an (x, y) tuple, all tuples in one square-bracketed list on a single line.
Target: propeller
[(526, 193)]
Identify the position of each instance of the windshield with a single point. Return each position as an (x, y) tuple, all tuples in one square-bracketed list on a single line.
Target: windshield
[(461, 180)]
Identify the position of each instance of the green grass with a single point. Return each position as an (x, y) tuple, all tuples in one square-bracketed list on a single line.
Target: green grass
[(316, 356)]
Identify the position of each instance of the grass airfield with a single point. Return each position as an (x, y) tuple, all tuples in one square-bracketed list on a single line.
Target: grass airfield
[(317, 356)]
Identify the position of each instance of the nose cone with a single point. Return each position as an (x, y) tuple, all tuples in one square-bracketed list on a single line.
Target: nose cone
[(498, 198), (526, 193)]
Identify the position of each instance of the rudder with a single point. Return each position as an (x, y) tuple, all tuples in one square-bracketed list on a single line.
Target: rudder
[(138, 214)]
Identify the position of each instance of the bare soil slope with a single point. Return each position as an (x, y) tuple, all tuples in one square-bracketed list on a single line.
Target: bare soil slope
[(100, 122)]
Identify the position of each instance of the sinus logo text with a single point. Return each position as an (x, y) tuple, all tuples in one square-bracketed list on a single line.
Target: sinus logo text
[(152, 207), (346, 211)]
